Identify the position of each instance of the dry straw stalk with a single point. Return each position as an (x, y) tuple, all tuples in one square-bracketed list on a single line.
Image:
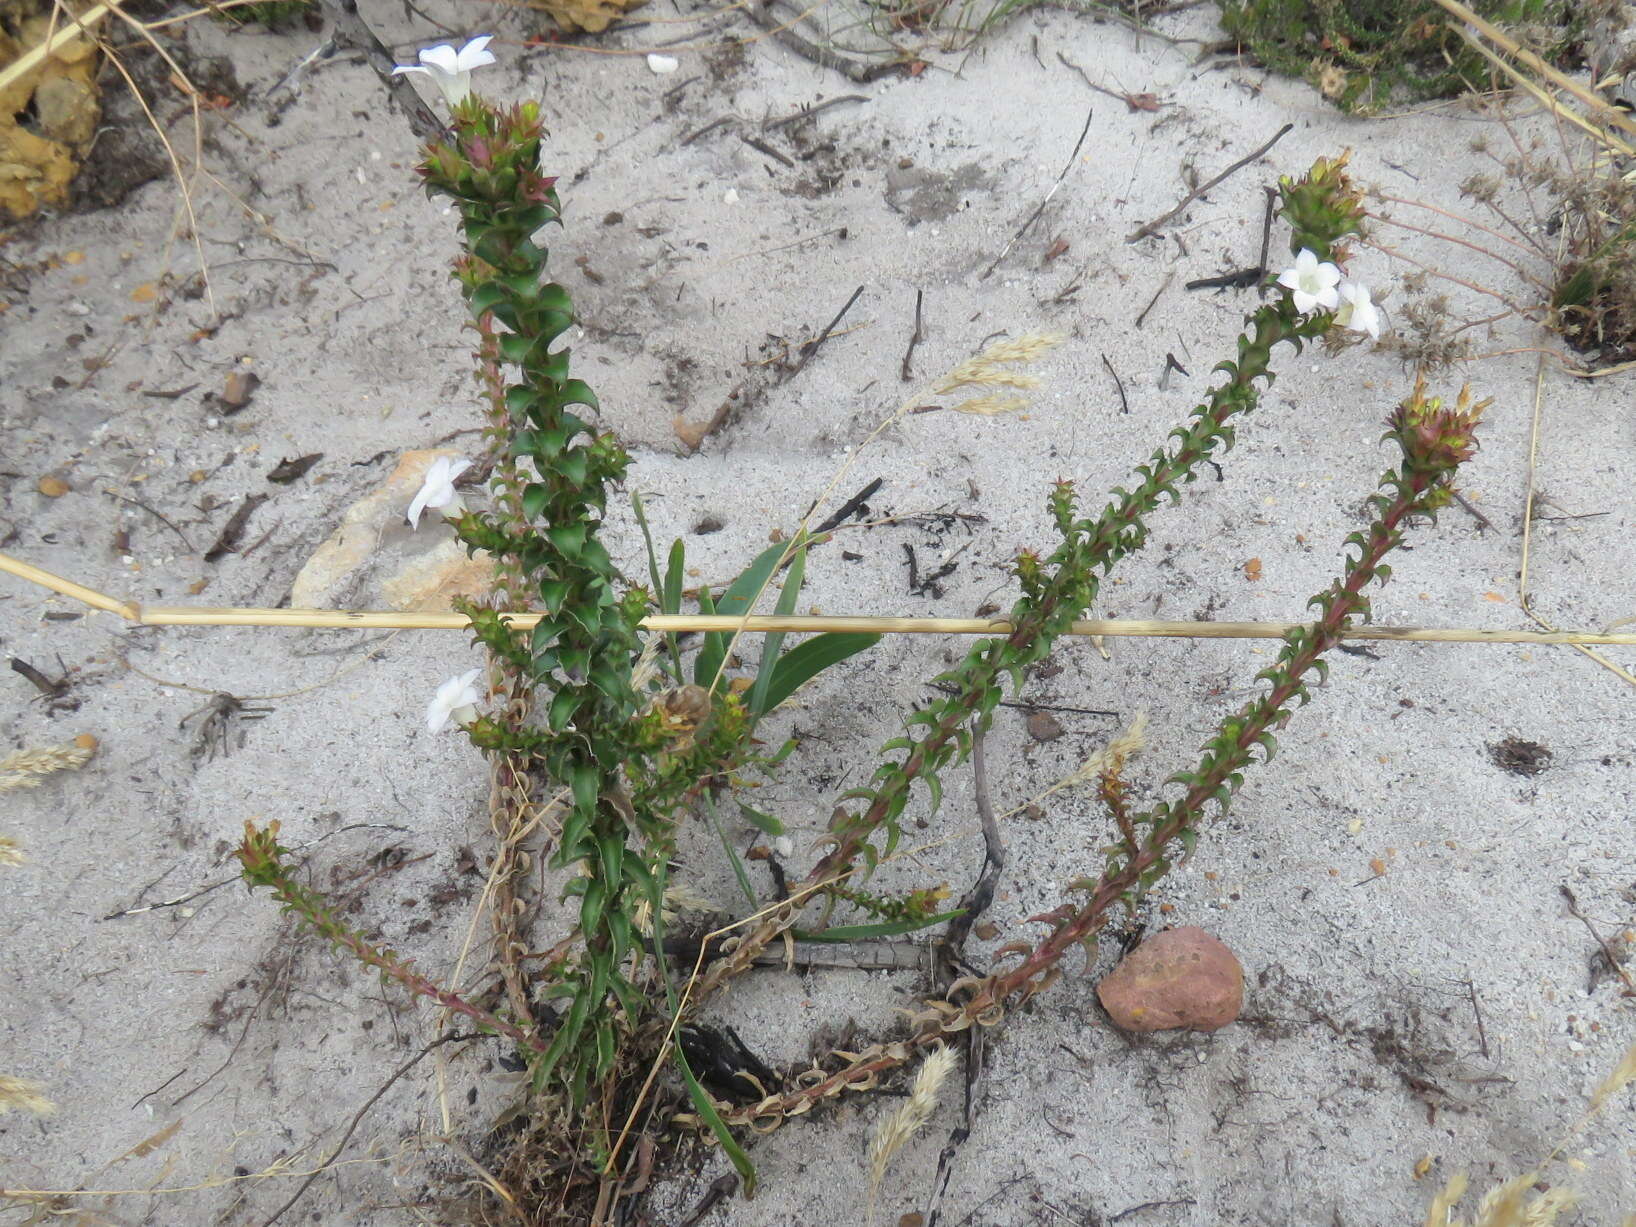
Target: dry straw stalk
[(386, 619)]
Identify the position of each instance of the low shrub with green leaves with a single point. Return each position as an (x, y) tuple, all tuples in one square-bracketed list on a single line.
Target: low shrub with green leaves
[(1367, 54), (634, 732)]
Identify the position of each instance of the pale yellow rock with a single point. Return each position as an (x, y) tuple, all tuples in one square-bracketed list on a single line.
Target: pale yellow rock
[(431, 581), (377, 518)]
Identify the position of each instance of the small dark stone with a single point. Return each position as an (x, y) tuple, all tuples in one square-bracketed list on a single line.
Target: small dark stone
[(707, 526), (1043, 726), (613, 219)]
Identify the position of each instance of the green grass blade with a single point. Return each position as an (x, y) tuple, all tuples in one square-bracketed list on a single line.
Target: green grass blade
[(887, 928), (662, 590), (707, 1110), (733, 857), (764, 823), (805, 661), (773, 641), (708, 662)]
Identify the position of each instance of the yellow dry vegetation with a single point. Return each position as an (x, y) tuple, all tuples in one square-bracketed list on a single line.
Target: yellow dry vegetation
[(591, 16), (58, 97)]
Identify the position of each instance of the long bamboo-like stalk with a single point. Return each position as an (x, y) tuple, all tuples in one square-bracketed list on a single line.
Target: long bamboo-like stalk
[(1123, 628)]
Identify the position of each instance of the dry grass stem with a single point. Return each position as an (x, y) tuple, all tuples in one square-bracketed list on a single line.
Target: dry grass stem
[(17, 1095), (909, 1117), (985, 370), (992, 406), (28, 768), (10, 853), (1112, 757)]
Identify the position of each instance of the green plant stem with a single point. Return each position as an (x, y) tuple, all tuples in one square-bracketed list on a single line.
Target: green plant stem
[(1038, 622), (260, 856), (1433, 449)]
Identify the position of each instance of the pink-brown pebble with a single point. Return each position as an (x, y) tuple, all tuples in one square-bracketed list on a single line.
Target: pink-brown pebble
[(1179, 978)]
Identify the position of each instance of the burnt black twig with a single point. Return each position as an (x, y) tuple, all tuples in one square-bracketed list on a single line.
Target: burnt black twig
[(1124, 404), (858, 502), (1169, 277), (976, 901), (47, 688), (914, 340), (823, 336), (1244, 278), (761, 146)]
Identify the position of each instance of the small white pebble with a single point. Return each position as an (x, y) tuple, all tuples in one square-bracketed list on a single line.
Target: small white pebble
[(374, 155), (77, 308), (662, 64), (126, 559), (730, 197), (784, 846), (1201, 1056), (213, 422)]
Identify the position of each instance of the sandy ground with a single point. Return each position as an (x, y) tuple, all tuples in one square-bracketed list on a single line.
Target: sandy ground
[(1441, 1015)]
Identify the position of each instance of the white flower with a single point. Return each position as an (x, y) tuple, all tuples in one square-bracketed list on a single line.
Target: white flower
[(451, 70), (1312, 284), (455, 700), (438, 490), (662, 64), (1358, 311)]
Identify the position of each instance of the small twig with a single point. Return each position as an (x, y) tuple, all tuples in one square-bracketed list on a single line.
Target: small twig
[(233, 531), (914, 340), (266, 992), (849, 508), (824, 335), (156, 515), (1152, 1205), (1128, 99), (1169, 277), (1483, 522), (357, 1117), (1124, 404), (1034, 216), (1152, 226), (50, 689), (761, 146), (704, 131), (351, 31), (858, 74), (805, 112), (678, 88), (1614, 961), (720, 1188), (976, 901), (1482, 1035)]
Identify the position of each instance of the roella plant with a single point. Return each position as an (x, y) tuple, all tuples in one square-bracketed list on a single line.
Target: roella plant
[(631, 741)]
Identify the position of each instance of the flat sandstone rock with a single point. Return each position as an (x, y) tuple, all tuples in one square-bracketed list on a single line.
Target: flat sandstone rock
[(1179, 978)]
